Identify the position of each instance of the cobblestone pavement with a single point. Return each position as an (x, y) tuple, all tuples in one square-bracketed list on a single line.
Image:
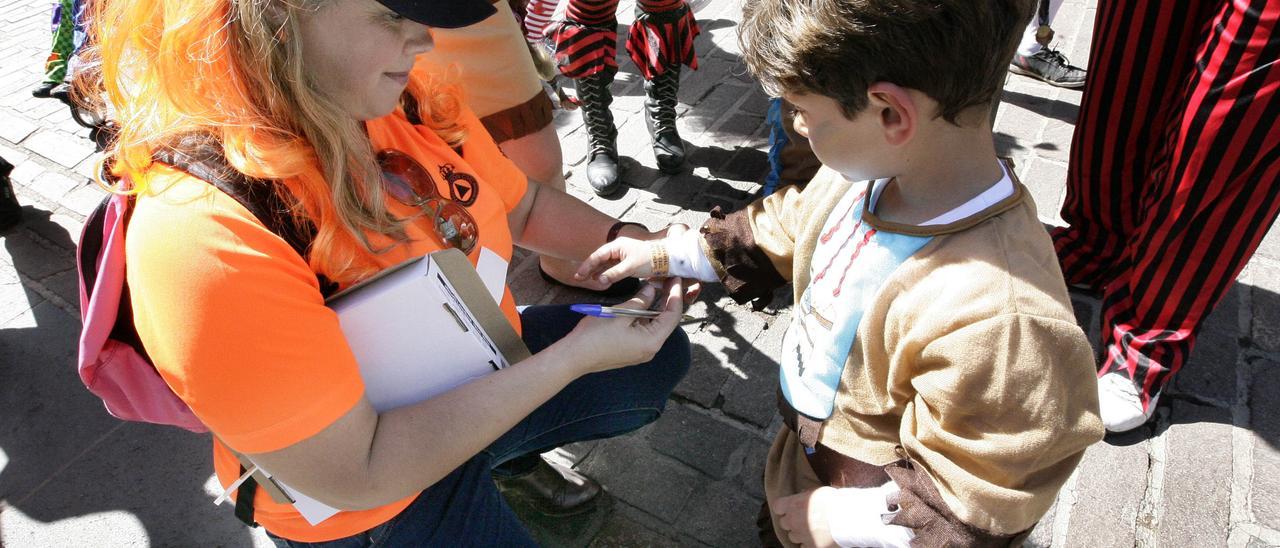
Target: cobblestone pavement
[(1206, 472)]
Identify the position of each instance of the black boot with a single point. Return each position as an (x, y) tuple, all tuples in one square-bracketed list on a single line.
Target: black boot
[(602, 165), (552, 490), (10, 210), (660, 118)]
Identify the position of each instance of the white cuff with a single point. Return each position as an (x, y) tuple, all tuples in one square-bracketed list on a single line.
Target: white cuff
[(856, 518), (684, 251)]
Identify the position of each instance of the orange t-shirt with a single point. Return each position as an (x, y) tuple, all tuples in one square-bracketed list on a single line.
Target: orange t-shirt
[(234, 320)]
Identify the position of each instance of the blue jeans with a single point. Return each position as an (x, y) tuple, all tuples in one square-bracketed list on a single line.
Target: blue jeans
[(465, 508)]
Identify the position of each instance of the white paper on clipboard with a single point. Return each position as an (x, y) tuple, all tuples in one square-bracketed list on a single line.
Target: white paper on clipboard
[(398, 323)]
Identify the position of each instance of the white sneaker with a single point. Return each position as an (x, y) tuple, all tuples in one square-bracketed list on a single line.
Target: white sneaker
[(1120, 404)]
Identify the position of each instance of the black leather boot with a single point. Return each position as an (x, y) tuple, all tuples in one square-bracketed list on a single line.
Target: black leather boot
[(660, 118), (10, 210), (552, 490), (602, 166)]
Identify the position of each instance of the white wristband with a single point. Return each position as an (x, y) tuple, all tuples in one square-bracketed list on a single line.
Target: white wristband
[(855, 518), (687, 259)]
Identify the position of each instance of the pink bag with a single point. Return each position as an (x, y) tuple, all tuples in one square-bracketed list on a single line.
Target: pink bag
[(113, 363)]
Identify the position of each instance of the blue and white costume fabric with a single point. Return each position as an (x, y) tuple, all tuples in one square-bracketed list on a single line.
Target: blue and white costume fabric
[(850, 264)]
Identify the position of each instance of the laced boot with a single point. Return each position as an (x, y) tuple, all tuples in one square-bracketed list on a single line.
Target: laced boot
[(602, 165), (660, 117)]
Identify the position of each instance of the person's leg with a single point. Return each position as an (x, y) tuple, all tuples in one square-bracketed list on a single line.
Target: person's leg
[(586, 45), (462, 509), (55, 67), (1213, 197), (1036, 59), (1114, 145), (595, 406), (661, 40)]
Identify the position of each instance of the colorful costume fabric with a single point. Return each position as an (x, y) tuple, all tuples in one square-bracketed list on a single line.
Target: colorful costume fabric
[(660, 42), (1175, 172), (68, 34), (944, 357)]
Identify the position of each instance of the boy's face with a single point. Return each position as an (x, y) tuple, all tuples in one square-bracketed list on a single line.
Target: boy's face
[(854, 147)]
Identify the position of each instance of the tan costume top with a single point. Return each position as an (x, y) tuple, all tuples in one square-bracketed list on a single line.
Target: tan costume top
[(968, 382)]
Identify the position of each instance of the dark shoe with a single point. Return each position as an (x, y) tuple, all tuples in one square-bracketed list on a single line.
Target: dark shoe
[(1050, 67), (10, 210), (621, 289), (660, 118), (44, 90), (603, 174), (552, 490), (595, 97)]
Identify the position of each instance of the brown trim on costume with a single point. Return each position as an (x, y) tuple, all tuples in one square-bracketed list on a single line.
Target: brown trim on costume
[(523, 119), (832, 467), (921, 508), (744, 268), (1020, 193)]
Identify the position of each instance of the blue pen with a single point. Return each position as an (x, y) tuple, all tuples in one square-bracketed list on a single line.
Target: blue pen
[(601, 311)]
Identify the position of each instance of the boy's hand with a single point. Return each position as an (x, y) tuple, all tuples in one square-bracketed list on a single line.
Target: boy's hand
[(621, 258), (803, 517)]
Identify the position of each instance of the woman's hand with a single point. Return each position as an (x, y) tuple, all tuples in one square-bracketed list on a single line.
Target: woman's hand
[(601, 344)]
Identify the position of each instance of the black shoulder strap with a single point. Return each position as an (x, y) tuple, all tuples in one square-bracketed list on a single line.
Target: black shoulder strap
[(202, 158)]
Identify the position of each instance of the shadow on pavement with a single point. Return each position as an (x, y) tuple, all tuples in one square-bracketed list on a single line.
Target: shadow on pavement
[(67, 458)]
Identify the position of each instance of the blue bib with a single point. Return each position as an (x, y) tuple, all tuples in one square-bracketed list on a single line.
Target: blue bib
[(850, 265)]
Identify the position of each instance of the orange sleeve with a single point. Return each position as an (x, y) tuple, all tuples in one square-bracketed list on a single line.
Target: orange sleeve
[(491, 164), (234, 320)]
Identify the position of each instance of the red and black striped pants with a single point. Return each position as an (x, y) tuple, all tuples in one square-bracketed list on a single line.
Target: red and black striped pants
[(1174, 175)]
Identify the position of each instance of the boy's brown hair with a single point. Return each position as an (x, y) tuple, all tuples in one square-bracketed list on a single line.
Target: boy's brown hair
[(955, 51)]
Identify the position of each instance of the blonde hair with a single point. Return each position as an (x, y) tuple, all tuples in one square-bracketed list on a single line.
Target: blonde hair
[(232, 70)]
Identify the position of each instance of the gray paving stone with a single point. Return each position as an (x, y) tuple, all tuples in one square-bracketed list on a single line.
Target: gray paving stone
[(16, 300), (637, 475), (43, 395), (1210, 371), (11, 155), (66, 285), (134, 456), (1046, 180), (751, 479), (59, 147), (1110, 486), (705, 443), (717, 347), (25, 173), (1270, 245), (718, 102), (33, 258), (1266, 306), (14, 129), (53, 185), (84, 199), (1197, 483), (626, 527), (1265, 423), (721, 515)]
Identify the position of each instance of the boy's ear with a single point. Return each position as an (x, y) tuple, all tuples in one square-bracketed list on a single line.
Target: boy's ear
[(896, 109)]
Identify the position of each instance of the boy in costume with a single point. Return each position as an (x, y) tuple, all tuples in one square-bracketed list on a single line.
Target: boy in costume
[(934, 383)]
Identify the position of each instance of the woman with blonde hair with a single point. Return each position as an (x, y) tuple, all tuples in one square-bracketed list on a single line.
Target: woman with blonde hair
[(315, 100)]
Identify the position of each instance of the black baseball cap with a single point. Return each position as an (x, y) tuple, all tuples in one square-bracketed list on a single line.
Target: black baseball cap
[(443, 14)]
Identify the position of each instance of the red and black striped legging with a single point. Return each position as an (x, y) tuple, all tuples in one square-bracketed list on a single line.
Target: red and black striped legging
[(1174, 175)]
